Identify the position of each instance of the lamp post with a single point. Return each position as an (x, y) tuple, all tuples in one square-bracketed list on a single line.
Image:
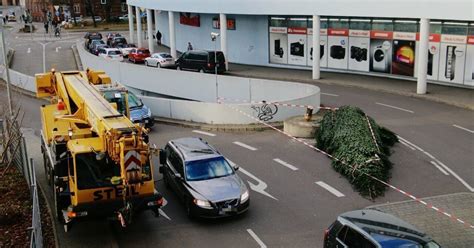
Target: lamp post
[(214, 38)]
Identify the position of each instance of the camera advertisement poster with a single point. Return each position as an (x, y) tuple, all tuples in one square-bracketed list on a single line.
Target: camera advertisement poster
[(452, 57), (380, 51), (297, 46), (359, 45), (433, 57), (403, 57), (337, 45), (469, 71), (278, 45), (323, 48)]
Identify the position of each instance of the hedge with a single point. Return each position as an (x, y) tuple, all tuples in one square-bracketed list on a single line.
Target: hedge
[(345, 134)]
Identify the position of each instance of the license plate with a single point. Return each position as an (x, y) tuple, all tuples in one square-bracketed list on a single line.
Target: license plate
[(168, 59)]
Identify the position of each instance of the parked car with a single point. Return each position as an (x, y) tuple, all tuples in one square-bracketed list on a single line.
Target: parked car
[(202, 61), (89, 37), (124, 17), (110, 36), (138, 55), (160, 60), (126, 48), (111, 54), (93, 45), (97, 49), (118, 40), (203, 179), (374, 229)]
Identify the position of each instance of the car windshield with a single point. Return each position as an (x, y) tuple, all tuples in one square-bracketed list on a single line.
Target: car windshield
[(115, 52), (208, 169), (119, 40), (165, 56), (133, 101), (143, 51), (119, 99), (387, 241)]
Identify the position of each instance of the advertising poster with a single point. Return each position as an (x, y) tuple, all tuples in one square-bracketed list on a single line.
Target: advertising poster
[(469, 70), (359, 42), (322, 48), (403, 57), (189, 19), (297, 46), (278, 45), (433, 57), (337, 47), (380, 51), (452, 58)]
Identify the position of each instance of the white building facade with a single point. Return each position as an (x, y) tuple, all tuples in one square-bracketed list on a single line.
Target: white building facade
[(418, 40)]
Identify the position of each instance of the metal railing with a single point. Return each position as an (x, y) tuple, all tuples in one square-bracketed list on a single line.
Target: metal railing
[(15, 145)]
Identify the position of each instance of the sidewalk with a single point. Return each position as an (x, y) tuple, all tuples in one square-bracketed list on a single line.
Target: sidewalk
[(455, 96)]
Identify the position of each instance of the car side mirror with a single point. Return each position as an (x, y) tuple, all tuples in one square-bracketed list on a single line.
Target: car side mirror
[(177, 175), (236, 167), (162, 156)]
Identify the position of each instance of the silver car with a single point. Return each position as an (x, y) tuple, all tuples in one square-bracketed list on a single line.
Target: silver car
[(160, 60)]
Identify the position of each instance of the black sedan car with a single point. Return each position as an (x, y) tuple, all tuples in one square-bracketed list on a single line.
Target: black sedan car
[(203, 179)]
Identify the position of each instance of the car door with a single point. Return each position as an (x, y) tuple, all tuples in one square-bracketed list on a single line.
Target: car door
[(131, 54), (184, 63), (173, 165), (155, 59)]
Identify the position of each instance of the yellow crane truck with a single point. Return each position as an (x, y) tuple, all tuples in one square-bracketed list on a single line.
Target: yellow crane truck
[(97, 161)]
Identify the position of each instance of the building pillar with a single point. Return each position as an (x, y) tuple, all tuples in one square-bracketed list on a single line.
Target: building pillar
[(130, 23), (172, 34), (316, 50), (139, 27), (149, 28), (422, 58), (223, 29), (157, 13)]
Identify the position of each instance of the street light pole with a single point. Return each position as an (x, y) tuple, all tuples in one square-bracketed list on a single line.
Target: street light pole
[(214, 38), (7, 72)]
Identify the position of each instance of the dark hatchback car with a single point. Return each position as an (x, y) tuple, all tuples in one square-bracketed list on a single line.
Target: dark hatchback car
[(374, 229), (202, 61), (203, 179)]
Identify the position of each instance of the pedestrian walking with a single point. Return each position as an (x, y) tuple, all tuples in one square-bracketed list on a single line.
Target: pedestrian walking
[(190, 47), (158, 37), (46, 26)]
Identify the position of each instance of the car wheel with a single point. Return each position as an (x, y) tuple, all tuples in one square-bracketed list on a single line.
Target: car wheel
[(201, 70), (178, 68), (189, 213), (146, 63), (158, 65)]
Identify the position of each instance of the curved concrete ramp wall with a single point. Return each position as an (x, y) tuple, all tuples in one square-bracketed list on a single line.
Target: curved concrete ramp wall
[(203, 89)]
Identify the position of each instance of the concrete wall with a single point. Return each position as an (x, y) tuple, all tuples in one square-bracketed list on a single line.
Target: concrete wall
[(20, 80), (246, 44), (201, 88)]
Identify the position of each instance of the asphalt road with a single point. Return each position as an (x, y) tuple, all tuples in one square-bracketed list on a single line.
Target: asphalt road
[(293, 210)]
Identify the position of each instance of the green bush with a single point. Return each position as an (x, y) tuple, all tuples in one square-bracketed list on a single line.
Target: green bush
[(345, 134)]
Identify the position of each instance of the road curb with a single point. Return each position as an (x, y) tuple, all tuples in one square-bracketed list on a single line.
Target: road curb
[(424, 198), (219, 127), (77, 58), (366, 87)]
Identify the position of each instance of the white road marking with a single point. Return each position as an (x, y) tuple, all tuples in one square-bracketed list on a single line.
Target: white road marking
[(463, 128), (390, 106), (439, 168), (205, 133), (407, 145), (330, 189), (254, 236), (291, 167), (328, 94), (441, 164), (57, 49), (245, 145), (162, 213), (29, 50), (261, 185)]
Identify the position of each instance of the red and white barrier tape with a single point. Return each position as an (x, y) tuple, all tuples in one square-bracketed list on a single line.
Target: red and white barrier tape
[(276, 103), (430, 206)]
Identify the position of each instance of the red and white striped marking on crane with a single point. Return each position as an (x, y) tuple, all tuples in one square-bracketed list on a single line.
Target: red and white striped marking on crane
[(132, 160)]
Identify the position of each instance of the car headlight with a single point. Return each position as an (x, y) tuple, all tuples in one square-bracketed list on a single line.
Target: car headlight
[(202, 203), (244, 197)]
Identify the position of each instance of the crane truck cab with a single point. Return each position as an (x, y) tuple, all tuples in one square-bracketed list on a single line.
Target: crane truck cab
[(96, 160), (127, 102)]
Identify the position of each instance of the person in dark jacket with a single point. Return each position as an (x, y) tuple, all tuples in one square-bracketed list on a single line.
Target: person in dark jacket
[(158, 37)]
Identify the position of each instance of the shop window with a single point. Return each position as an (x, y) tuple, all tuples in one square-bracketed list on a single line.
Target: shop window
[(382, 25), (454, 28), (77, 8), (405, 26), (276, 21), (124, 7), (298, 22), (435, 27), (470, 30), (324, 23), (360, 24), (339, 23)]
